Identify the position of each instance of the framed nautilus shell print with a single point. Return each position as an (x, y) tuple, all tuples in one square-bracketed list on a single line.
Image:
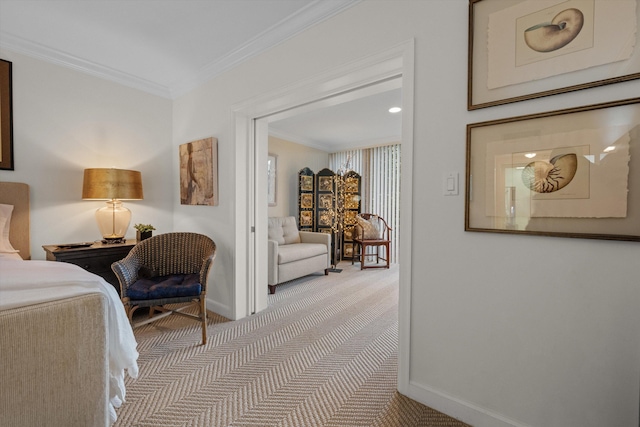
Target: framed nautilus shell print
[(566, 173), (523, 49)]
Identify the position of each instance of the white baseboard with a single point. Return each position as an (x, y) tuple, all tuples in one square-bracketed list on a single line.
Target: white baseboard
[(457, 408), (220, 309)]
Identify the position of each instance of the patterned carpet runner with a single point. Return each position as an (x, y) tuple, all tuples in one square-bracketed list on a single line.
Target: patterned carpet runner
[(323, 354)]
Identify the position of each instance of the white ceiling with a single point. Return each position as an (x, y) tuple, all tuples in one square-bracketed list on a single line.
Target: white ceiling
[(363, 121), (168, 47)]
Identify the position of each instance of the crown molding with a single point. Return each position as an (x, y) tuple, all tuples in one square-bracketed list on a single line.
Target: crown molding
[(310, 15), (315, 12), (297, 139), (334, 148), (57, 57)]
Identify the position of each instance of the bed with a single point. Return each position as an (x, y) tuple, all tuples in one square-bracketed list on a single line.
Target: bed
[(65, 341)]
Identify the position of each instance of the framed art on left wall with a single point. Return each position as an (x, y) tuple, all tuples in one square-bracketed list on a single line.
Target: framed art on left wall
[(6, 117), (199, 172)]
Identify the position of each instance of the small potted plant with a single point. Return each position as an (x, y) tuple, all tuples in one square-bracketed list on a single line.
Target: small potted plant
[(143, 231)]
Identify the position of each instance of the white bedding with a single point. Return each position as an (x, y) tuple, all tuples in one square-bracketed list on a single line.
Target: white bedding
[(25, 283)]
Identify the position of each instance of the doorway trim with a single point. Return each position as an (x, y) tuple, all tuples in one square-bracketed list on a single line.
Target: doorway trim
[(250, 120)]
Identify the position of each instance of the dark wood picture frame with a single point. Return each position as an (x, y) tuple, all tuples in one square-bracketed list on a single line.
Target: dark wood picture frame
[(566, 173), (482, 93), (6, 116)]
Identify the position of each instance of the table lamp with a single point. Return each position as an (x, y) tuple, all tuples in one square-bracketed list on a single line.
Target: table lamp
[(112, 185)]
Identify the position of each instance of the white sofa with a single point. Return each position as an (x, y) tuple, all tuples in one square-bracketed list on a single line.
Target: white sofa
[(294, 253)]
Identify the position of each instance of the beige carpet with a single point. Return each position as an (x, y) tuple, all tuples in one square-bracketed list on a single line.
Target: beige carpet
[(323, 354)]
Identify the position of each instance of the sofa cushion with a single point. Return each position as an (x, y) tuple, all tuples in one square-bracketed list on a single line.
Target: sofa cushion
[(284, 230), (290, 253)]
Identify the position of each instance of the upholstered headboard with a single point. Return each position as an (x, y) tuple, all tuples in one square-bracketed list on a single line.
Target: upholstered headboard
[(17, 194)]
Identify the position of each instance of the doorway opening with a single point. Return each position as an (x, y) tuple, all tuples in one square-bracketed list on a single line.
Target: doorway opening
[(319, 110), (359, 134), (251, 134)]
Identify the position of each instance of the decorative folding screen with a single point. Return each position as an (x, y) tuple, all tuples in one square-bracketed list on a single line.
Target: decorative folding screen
[(329, 203)]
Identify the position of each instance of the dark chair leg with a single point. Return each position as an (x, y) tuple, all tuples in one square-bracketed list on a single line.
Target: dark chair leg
[(356, 252), (387, 253), (203, 318), (326, 271), (272, 289)]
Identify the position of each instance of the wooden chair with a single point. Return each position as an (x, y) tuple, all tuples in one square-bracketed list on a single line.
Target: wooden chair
[(166, 269), (371, 231)]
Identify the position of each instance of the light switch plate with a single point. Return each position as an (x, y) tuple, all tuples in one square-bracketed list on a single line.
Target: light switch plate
[(450, 183)]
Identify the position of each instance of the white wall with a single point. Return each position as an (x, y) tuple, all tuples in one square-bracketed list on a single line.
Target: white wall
[(497, 336), (65, 121), (291, 158)]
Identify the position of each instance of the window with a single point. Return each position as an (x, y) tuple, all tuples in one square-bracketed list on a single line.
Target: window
[(379, 168)]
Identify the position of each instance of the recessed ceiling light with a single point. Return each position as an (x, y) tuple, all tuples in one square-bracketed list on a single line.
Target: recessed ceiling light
[(530, 155), (395, 109)]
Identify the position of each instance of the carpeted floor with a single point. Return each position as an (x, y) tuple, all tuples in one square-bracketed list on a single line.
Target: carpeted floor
[(323, 354)]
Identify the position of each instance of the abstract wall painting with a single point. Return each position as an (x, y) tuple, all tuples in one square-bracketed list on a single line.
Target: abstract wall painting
[(199, 172)]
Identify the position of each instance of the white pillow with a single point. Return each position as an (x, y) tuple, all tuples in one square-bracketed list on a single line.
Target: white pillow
[(5, 223), (371, 228)]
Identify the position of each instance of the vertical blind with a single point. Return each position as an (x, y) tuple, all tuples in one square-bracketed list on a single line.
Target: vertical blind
[(379, 168)]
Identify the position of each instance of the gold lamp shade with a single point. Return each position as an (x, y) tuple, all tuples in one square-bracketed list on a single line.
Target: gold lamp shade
[(112, 185), (107, 184)]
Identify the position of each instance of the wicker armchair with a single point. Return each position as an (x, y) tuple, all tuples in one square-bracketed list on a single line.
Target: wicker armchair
[(166, 269)]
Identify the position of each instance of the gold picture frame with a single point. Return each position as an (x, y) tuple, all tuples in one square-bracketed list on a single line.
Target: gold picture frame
[(506, 65), (325, 201), (325, 183), (350, 217), (348, 250), (325, 219), (306, 218), (348, 233), (306, 201), (351, 184), (565, 173), (306, 183), (352, 201)]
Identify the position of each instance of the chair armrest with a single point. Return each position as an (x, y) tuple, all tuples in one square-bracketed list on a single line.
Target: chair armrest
[(316, 237), (126, 271), (273, 263), (204, 270)]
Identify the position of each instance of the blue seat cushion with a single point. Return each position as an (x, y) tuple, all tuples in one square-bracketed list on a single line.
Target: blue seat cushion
[(160, 287)]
